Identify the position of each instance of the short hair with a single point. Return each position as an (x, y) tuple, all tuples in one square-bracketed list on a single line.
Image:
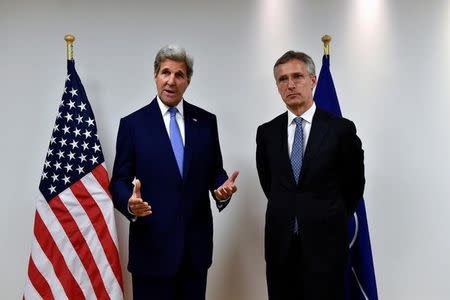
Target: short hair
[(291, 55), (176, 53)]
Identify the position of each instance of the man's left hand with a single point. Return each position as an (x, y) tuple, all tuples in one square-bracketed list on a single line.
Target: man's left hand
[(227, 189)]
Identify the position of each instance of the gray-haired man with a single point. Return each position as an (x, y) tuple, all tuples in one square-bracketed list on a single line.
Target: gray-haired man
[(172, 149)]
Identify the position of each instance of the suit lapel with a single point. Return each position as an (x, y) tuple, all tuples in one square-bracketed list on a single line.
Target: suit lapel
[(288, 178), (318, 130), (190, 133)]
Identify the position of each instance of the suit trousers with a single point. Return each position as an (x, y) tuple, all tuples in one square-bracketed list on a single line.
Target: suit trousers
[(187, 284), (296, 279)]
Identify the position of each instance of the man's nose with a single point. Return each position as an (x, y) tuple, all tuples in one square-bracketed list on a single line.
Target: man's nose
[(171, 79), (291, 83)]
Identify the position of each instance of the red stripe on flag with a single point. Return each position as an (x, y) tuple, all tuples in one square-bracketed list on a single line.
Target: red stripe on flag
[(101, 175), (98, 221), (51, 250), (39, 282), (80, 245)]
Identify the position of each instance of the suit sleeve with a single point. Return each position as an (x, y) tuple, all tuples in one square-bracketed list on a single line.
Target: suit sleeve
[(124, 170), (353, 180), (219, 175), (261, 162)]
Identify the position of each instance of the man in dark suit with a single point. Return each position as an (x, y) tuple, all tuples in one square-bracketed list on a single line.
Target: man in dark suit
[(310, 166), (171, 148)]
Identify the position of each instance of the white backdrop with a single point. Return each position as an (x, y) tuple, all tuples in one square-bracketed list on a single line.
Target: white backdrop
[(390, 62)]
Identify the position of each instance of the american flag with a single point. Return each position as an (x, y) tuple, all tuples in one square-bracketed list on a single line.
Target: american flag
[(74, 252)]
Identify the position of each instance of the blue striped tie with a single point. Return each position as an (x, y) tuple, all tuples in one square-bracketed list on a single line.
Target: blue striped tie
[(175, 139), (297, 156)]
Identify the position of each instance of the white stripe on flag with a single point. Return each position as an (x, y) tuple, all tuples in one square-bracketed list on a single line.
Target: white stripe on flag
[(104, 202), (46, 269), (30, 292), (88, 231), (71, 258)]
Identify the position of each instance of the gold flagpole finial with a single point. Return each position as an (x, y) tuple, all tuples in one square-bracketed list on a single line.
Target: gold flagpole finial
[(326, 39), (69, 40)]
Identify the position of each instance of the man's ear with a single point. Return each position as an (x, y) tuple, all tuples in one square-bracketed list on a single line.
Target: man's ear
[(314, 80)]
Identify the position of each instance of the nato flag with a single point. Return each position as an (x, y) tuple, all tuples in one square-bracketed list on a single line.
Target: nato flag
[(360, 276)]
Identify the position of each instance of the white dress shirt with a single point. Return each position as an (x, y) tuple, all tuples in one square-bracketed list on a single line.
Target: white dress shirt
[(307, 117), (166, 116)]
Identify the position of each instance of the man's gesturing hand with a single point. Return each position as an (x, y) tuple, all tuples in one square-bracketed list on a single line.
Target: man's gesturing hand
[(227, 189), (136, 205)]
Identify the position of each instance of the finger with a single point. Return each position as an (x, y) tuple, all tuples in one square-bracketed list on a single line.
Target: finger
[(142, 211), (234, 176), (231, 188), (137, 188), (228, 190), (135, 201), (135, 206), (142, 205), (218, 193)]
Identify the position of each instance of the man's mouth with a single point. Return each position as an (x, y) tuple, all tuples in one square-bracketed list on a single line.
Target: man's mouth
[(170, 92)]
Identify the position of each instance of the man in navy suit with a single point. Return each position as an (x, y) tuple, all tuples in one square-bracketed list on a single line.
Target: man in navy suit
[(171, 149), (310, 165)]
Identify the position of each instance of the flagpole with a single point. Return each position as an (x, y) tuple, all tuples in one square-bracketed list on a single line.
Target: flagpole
[(69, 40), (326, 39)]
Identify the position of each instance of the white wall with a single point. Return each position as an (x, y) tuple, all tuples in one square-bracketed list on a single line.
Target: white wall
[(390, 62)]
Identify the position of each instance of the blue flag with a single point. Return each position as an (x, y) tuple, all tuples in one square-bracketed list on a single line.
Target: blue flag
[(360, 281)]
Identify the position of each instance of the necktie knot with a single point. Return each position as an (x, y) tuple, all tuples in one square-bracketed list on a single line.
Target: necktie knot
[(298, 121), (173, 111)]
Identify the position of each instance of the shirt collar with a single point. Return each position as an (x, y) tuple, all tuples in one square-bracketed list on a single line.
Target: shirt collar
[(165, 109), (307, 115)]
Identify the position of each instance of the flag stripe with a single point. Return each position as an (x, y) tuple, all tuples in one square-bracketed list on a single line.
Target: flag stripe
[(79, 243), (39, 283), (95, 184), (90, 200), (87, 230), (64, 246), (101, 175), (30, 292), (50, 248), (46, 269)]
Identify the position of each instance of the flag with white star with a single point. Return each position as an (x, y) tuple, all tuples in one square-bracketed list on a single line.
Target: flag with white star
[(74, 251)]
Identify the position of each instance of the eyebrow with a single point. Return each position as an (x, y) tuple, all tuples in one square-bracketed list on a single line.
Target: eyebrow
[(176, 72)]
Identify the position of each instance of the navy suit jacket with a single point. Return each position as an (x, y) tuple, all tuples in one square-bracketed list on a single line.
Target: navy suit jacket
[(181, 221), (331, 184)]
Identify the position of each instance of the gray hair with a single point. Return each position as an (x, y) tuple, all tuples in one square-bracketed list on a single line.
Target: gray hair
[(291, 55), (176, 53)]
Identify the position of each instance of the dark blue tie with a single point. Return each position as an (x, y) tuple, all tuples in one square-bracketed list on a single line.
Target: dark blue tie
[(297, 156), (175, 139)]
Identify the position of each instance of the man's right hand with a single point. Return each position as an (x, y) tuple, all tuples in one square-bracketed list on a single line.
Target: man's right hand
[(136, 205)]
